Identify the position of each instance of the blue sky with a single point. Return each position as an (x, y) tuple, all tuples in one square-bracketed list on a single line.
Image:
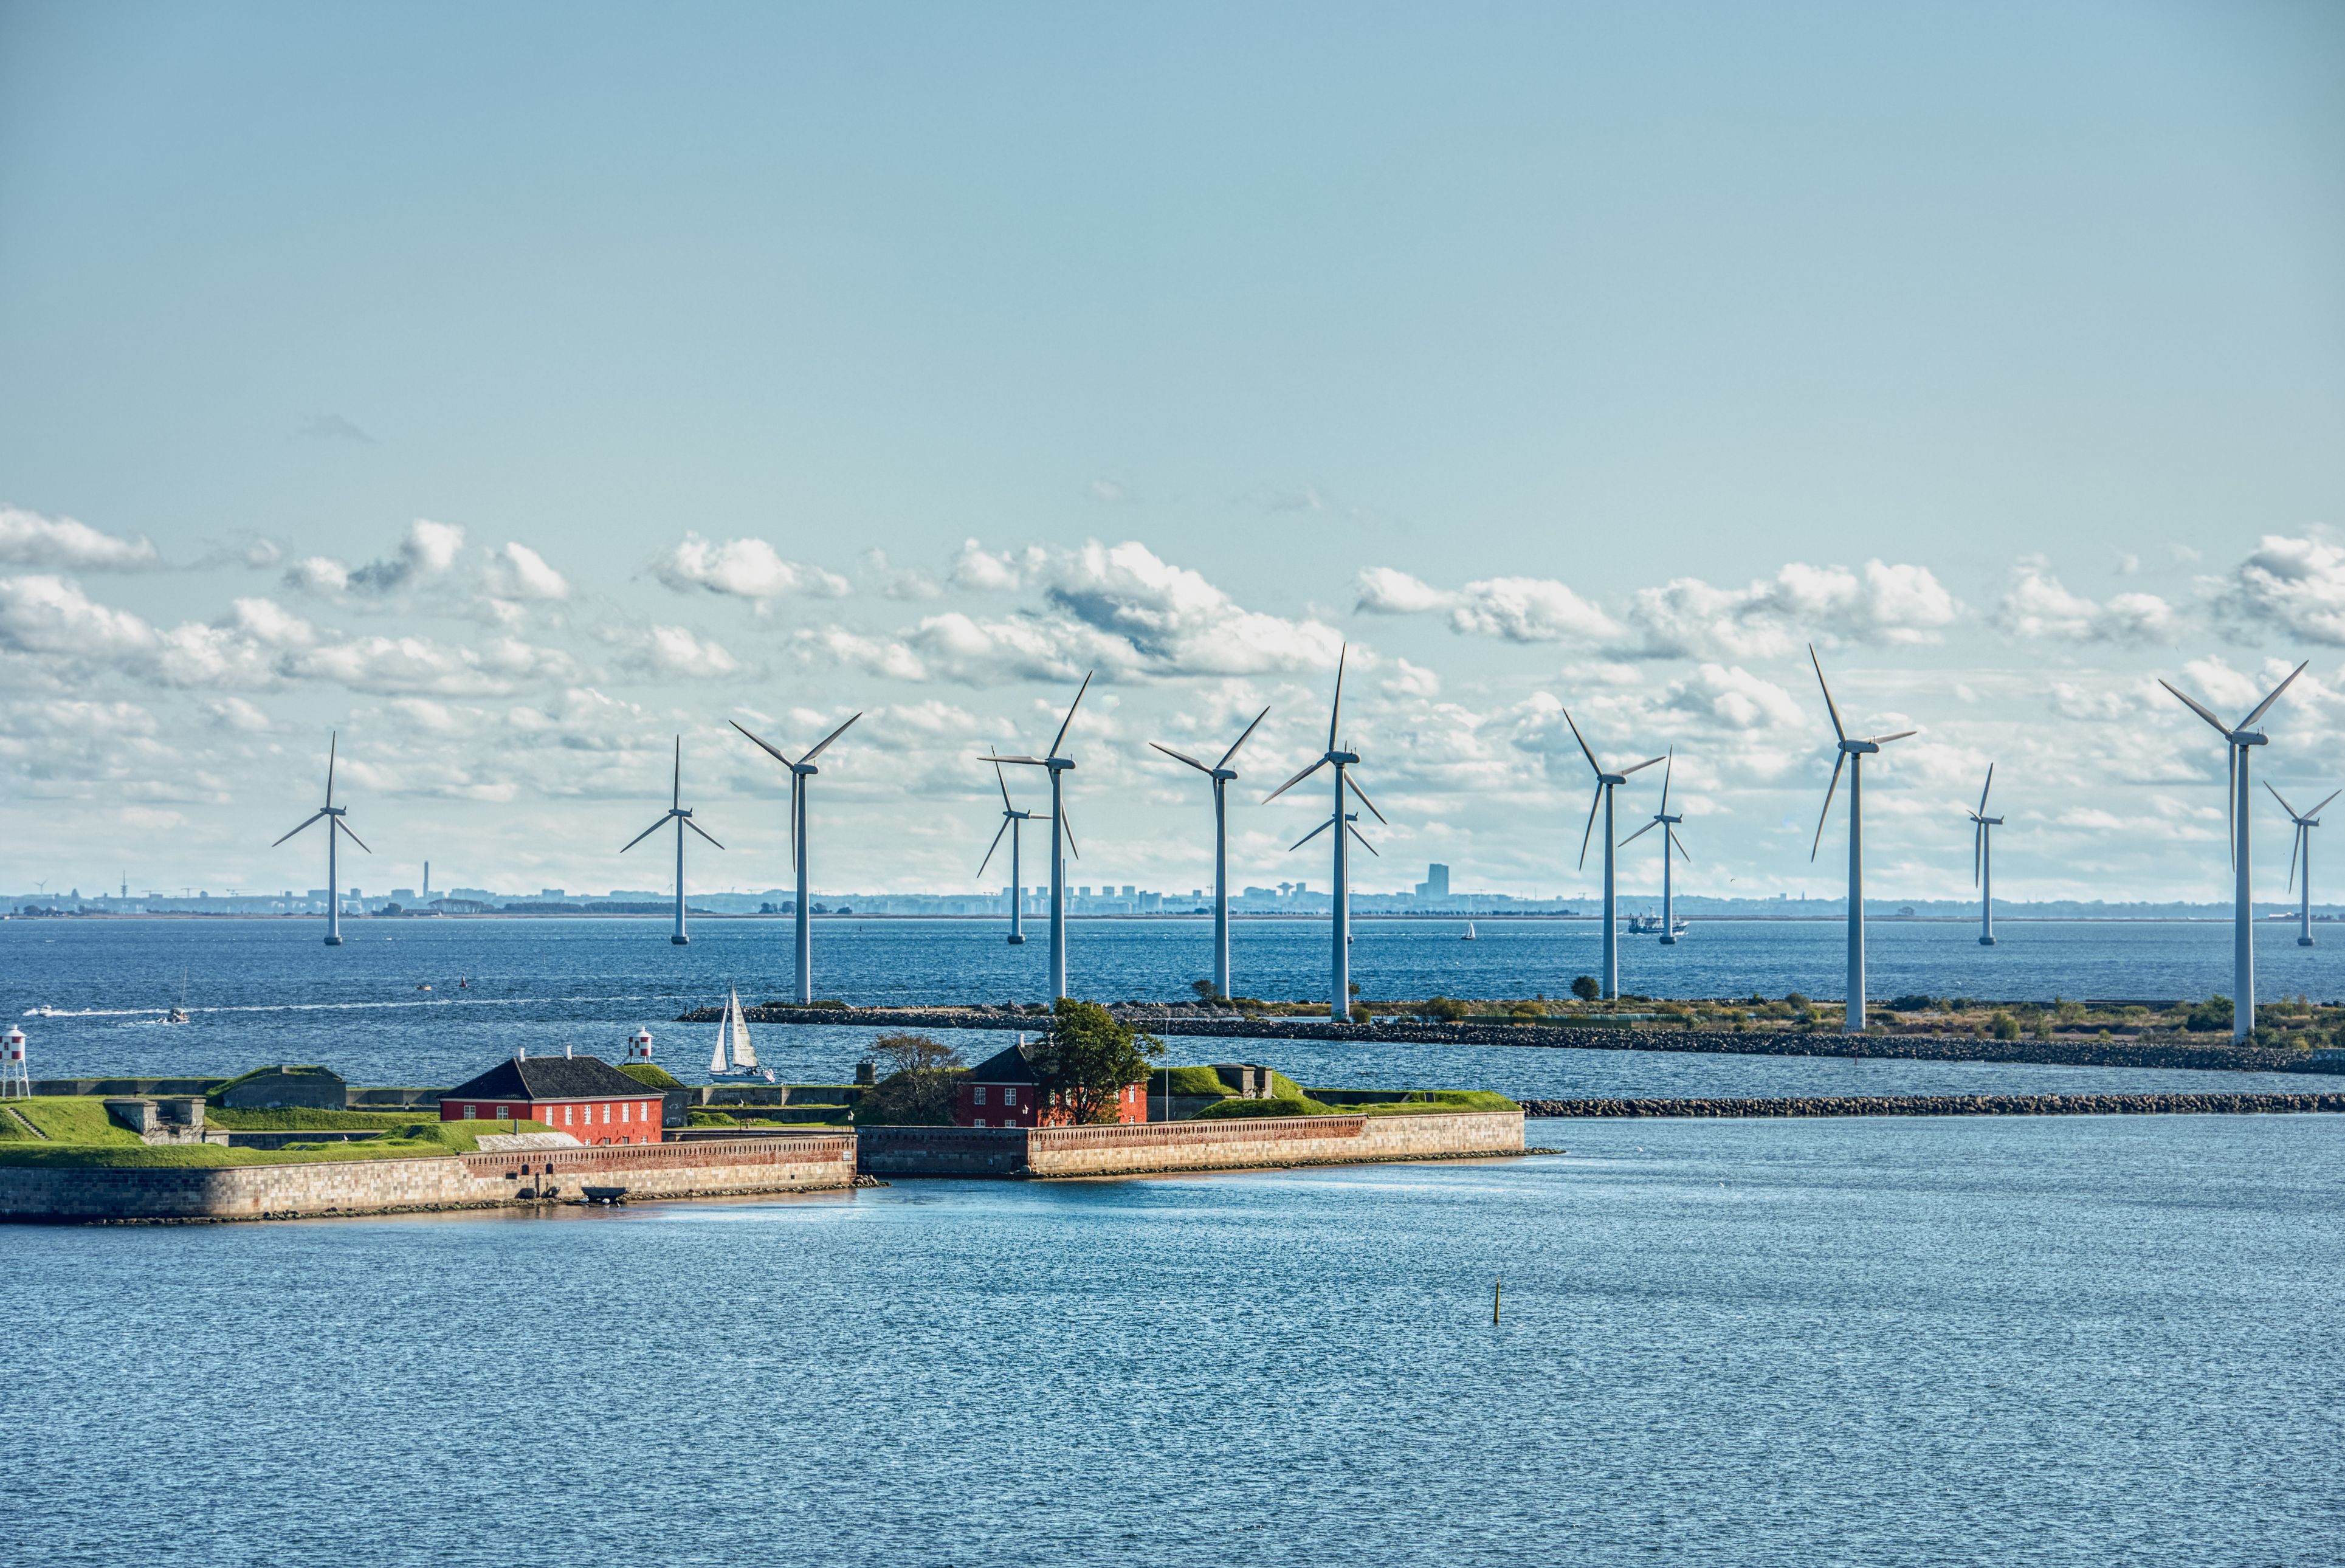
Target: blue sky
[(1554, 356)]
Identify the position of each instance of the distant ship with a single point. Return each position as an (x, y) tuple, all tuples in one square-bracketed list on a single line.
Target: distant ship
[(1644, 925), (179, 1015), (734, 1057)]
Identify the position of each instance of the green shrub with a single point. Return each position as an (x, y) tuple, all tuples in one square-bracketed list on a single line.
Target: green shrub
[(1442, 1010), (2003, 1025), (1585, 988), (2211, 1017)]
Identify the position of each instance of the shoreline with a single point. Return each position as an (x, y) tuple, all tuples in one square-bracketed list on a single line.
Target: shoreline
[(1942, 1106)]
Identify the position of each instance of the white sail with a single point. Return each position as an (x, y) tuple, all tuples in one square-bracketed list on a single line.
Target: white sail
[(744, 1055), (716, 1059)]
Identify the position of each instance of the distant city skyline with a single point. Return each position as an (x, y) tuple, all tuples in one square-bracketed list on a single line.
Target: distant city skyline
[(368, 376)]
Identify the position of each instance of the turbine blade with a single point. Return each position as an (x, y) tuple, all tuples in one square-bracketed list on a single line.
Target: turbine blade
[(2230, 799), (761, 745), (698, 829), (1680, 844), (1978, 850), (346, 827), (994, 845), (1365, 800), (1837, 762), (2332, 794), (797, 793), (1583, 744), (1364, 843), (677, 793), (1590, 828), (2294, 816), (2200, 708), (1666, 774), (1884, 740), (1641, 832), (646, 832), (1990, 784), (1178, 757), (2293, 845), (1649, 762), (1307, 837), (826, 741), (334, 744), (1071, 713), (1830, 706), (1234, 744), (1023, 762), (1004, 785), (1066, 825), (1335, 713), (305, 822), (1297, 779), (2265, 706)]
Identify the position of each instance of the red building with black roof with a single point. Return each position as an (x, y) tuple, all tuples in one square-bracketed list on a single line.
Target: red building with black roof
[(1003, 1090), (584, 1097)]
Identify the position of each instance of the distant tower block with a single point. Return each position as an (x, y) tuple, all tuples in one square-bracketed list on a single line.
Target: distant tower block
[(15, 1078), (639, 1045)]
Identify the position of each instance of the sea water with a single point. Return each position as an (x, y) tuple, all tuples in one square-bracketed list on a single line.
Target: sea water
[(263, 991), (2046, 1340)]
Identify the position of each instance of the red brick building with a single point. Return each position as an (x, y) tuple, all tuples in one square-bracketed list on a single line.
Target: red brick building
[(1003, 1091), (584, 1097)]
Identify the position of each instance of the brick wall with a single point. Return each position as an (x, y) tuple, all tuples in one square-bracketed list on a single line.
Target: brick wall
[(1137, 1148)]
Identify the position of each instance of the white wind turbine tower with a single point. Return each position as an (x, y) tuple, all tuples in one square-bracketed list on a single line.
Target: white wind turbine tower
[(1339, 1002), (1983, 860), (1668, 826), (1852, 755), (1221, 772), (2305, 823), (2236, 797), (680, 815), (800, 771), (1057, 765), (1012, 820), (1605, 785), (332, 814)]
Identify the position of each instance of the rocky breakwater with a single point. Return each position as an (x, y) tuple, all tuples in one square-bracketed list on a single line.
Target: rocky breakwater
[(1949, 1105), (2083, 1050)]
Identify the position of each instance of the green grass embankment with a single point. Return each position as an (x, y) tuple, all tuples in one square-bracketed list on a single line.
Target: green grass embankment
[(1422, 1102), (81, 1136)]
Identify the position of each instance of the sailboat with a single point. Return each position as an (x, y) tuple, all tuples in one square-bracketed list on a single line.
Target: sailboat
[(179, 1015), (1470, 933), (734, 1057)]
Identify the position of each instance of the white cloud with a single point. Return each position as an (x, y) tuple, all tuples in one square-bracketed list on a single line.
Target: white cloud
[(47, 614), (427, 550), (1384, 590), (398, 665), (2038, 605), (29, 539), (1529, 610), (1409, 679), (2291, 585), (236, 713), (1883, 602), (675, 652), (319, 574), (518, 572), (747, 568), (976, 569)]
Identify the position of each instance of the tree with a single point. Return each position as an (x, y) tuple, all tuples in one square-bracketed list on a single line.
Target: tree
[(1090, 1057), (1585, 988), (918, 1078), (1205, 990)]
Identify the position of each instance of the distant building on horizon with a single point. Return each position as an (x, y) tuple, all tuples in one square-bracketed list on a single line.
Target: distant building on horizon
[(1437, 882)]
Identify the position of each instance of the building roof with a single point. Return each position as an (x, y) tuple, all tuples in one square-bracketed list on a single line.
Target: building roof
[(1006, 1066), (552, 1077)]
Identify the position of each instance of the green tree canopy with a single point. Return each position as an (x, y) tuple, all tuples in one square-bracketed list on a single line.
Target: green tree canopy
[(918, 1077), (1090, 1057)]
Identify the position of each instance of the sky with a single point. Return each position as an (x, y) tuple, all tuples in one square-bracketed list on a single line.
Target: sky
[(511, 391)]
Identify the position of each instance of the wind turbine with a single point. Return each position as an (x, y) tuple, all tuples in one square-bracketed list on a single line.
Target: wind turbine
[(1983, 861), (332, 814), (2305, 823), (2236, 743), (1605, 785), (1852, 755), (1339, 1002), (680, 815), (1057, 765), (1012, 820), (800, 771), (1668, 826), (1221, 772)]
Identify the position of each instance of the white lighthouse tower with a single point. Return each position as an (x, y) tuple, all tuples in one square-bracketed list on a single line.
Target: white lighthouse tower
[(639, 1045), (15, 1078)]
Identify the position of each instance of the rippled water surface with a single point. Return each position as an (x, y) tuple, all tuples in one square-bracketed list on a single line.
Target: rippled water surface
[(2083, 1340), (268, 991)]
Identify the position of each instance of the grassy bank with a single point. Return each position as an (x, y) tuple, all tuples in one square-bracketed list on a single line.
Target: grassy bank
[(1420, 1102), (73, 1131)]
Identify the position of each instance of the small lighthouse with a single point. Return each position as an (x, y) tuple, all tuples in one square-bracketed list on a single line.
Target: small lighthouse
[(639, 1045), (15, 1078)]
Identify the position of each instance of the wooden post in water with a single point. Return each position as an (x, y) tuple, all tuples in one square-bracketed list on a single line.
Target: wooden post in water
[(1497, 1288)]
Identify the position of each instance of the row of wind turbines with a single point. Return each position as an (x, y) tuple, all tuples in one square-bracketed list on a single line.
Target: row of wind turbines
[(1343, 822)]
